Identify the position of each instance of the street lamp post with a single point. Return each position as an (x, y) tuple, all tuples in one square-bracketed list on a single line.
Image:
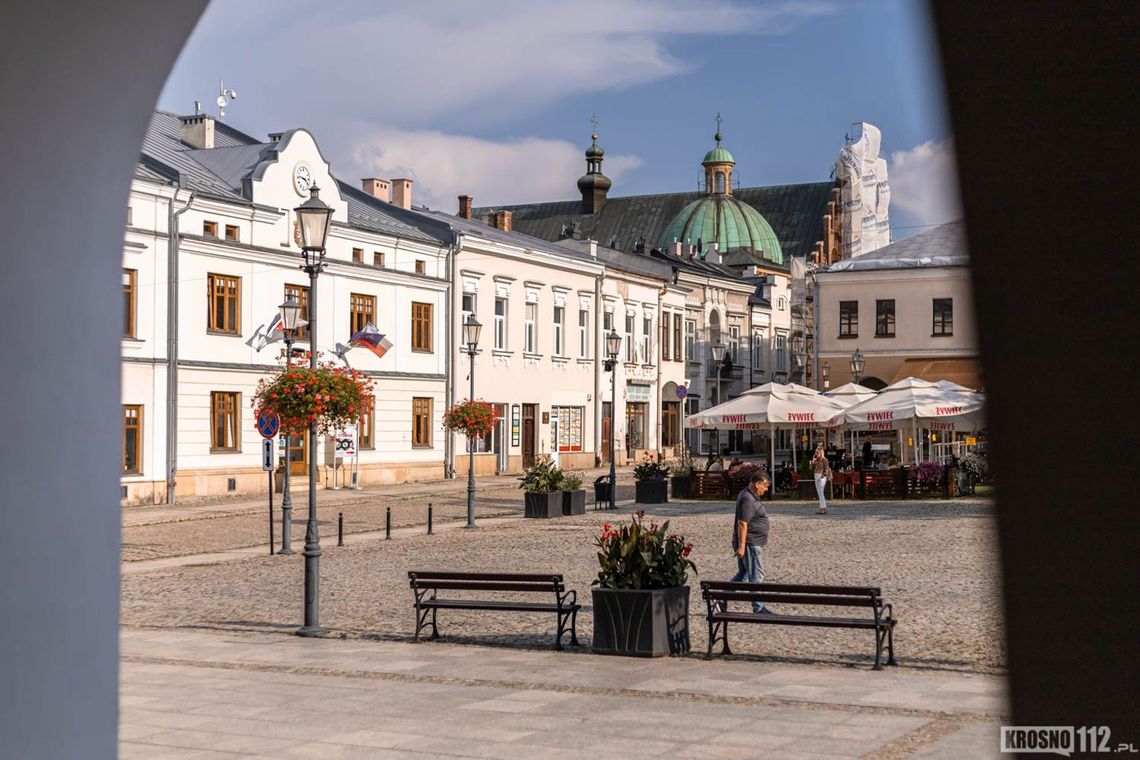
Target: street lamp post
[(857, 365), (471, 330), (613, 346), (290, 317), (717, 357), (313, 220), (801, 357)]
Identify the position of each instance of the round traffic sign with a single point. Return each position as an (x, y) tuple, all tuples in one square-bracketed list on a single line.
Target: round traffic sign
[(268, 423)]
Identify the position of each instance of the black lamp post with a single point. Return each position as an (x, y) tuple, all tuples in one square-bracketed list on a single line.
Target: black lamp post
[(313, 220), (857, 365), (471, 330), (290, 321), (717, 357), (613, 346)]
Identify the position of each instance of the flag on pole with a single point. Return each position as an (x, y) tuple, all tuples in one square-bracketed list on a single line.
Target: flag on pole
[(372, 339), (275, 330)]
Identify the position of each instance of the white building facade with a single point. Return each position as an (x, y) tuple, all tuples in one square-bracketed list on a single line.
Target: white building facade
[(209, 254)]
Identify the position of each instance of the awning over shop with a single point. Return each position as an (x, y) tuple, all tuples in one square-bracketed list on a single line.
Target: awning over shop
[(967, 372)]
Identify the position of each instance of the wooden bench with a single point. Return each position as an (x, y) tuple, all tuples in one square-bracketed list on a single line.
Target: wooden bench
[(718, 593), (427, 585), (713, 484)]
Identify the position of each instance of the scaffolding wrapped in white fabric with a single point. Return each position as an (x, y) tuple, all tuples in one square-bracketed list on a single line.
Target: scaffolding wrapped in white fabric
[(865, 193)]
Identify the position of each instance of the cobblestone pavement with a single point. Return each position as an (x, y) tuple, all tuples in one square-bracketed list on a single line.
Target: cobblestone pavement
[(220, 524), (936, 562), (193, 694)]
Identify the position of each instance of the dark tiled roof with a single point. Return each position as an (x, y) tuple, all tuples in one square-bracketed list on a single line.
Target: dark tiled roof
[(794, 211), (514, 237), (370, 213)]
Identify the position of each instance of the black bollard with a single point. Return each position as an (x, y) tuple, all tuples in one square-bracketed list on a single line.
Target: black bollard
[(340, 529), (429, 519), (388, 524)]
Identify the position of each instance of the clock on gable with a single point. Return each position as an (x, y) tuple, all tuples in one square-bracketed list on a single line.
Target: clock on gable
[(302, 178)]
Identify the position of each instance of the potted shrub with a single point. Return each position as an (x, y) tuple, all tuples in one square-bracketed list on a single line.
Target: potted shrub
[(739, 473), (682, 479), (651, 488), (641, 602), (573, 495), (976, 468), (540, 484), (930, 476)]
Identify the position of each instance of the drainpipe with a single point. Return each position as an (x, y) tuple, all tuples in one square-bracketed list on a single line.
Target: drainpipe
[(172, 342), (599, 349), (452, 357), (815, 330)]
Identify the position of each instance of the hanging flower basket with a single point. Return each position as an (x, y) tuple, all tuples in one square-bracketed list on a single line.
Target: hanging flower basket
[(474, 419), (330, 396)]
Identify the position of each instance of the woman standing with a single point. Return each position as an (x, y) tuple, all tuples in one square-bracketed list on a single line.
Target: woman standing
[(822, 471)]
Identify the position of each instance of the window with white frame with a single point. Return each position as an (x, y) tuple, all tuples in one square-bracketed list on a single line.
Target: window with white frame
[(468, 305), (530, 328), (629, 337), (690, 338), (559, 325), (584, 333), (758, 351), (734, 343), (607, 321), (646, 340), (500, 323), (781, 352)]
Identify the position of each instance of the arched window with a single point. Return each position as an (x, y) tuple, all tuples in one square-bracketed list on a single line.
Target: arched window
[(714, 328), (720, 182)]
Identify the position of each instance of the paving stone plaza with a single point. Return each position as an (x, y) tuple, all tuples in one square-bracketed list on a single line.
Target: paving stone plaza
[(211, 668)]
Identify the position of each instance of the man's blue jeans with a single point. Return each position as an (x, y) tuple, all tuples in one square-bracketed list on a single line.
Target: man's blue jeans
[(750, 568)]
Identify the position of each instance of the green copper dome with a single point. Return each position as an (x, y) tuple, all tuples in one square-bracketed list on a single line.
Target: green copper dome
[(718, 155), (732, 224)]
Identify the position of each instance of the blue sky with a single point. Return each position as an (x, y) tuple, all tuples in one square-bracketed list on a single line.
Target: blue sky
[(494, 98)]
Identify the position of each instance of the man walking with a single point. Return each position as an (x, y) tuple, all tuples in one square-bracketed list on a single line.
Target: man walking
[(749, 533)]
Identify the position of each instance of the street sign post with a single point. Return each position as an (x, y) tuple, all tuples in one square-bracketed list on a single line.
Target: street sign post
[(268, 455), (344, 447), (682, 391), (268, 423)]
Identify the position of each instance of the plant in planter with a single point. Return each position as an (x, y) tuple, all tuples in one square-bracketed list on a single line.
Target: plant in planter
[(930, 476), (540, 483), (682, 479), (650, 486), (329, 396), (976, 467), (573, 495), (641, 603), (739, 473)]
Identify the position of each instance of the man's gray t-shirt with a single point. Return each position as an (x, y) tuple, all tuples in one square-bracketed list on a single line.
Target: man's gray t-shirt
[(751, 510)]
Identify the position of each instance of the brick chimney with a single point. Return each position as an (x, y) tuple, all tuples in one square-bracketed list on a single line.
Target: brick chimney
[(675, 248), (377, 188), (500, 220), (198, 131), (402, 192), (465, 204)]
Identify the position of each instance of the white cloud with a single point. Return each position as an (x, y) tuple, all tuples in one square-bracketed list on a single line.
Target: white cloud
[(445, 166), (924, 184), (413, 63)]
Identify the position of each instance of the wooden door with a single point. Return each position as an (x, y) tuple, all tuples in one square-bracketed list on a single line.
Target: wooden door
[(607, 432), (298, 454), (528, 433)]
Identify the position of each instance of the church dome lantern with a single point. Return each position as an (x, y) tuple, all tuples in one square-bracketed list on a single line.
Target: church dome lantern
[(719, 218)]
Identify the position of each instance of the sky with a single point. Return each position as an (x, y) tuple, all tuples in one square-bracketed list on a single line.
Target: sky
[(495, 98)]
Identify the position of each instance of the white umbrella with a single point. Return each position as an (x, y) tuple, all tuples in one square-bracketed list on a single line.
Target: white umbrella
[(850, 394), (911, 403), (769, 407)]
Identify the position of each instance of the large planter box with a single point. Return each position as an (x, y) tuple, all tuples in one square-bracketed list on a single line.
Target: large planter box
[(682, 486), (573, 502), (641, 623), (651, 492), (542, 504)]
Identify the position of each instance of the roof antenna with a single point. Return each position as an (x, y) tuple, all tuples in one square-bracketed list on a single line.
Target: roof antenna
[(224, 98)]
